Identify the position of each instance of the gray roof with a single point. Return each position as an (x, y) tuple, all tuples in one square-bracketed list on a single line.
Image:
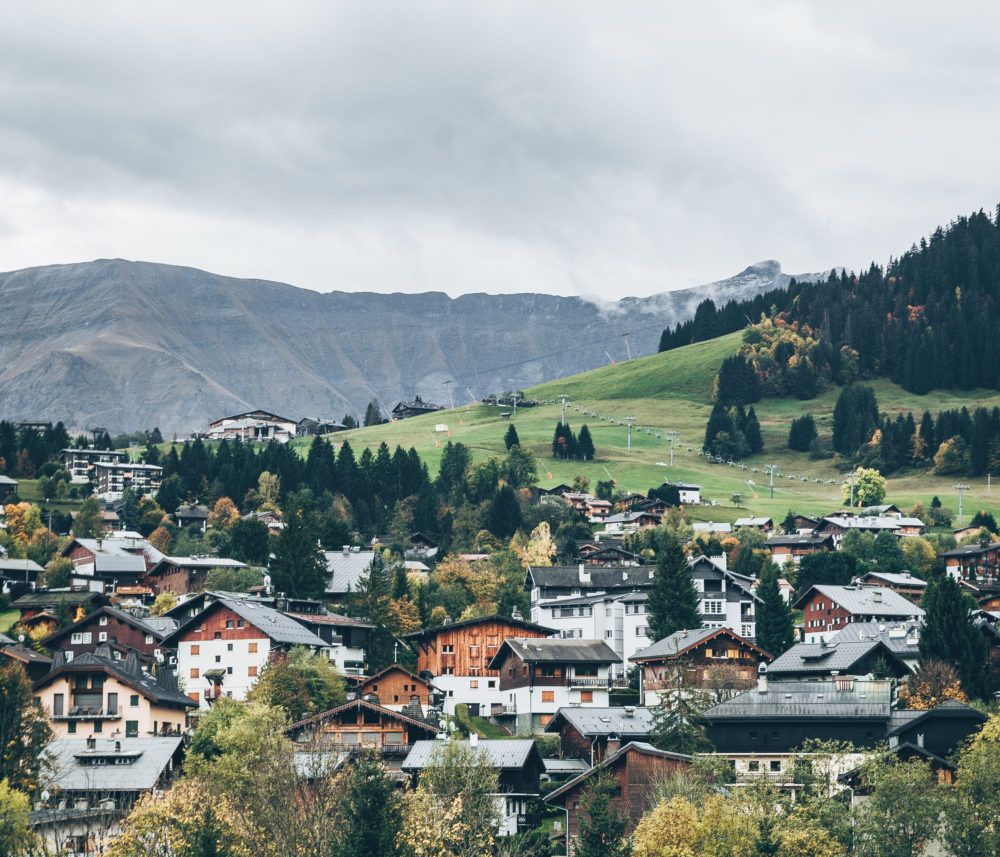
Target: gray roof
[(753, 522), (161, 625), (6, 480), (547, 650), (15, 566), (503, 754), (617, 720), (712, 527), (904, 579), (823, 659), (869, 522), (889, 634), (564, 767), (161, 688), (643, 747), (158, 627), (346, 569), (601, 577), (795, 539), (203, 562), (806, 699), (274, 624), (150, 758), (127, 564), (865, 600), (675, 643)]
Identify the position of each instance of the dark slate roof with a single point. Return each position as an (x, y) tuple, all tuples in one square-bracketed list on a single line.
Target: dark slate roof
[(601, 577), (864, 600), (148, 626), (807, 699), (52, 597), (972, 550), (534, 650), (274, 624), (360, 703), (819, 658), (951, 708), (590, 720), (503, 754), (428, 633), (150, 756), (161, 688), (794, 539), (681, 641), (20, 652), (885, 633)]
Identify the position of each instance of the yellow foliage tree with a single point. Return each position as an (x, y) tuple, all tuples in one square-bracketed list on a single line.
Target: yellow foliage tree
[(540, 549), (934, 682), (224, 514), (161, 539), (671, 829), (404, 615)]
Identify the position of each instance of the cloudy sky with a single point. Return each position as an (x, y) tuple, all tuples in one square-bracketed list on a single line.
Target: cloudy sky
[(565, 147)]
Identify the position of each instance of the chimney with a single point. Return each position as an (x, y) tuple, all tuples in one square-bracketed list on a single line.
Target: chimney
[(91, 743), (584, 575), (100, 541), (346, 549), (473, 739), (762, 678), (118, 746), (720, 561), (613, 746)]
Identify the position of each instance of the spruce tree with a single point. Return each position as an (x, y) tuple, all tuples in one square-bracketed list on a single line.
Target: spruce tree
[(948, 635), (673, 600), (775, 630), (584, 444), (751, 431), (511, 439), (299, 567)]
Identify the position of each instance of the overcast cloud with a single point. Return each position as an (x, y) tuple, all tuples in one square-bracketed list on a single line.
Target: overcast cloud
[(573, 148)]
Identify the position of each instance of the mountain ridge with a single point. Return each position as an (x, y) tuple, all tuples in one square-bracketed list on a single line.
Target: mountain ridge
[(130, 345)]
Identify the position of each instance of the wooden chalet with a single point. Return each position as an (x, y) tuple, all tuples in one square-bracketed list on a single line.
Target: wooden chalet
[(716, 659), (405, 410), (904, 583), (47, 601), (363, 723), (638, 767), (592, 733), (764, 525), (609, 556), (821, 661), (117, 629), (35, 665), (456, 657), (398, 688), (979, 562), (795, 546), (827, 609), (181, 575), (192, 514)]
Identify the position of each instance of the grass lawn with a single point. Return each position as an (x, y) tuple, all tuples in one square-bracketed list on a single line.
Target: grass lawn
[(673, 391), (7, 620)]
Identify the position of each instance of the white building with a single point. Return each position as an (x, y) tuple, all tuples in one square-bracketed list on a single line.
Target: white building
[(259, 426)]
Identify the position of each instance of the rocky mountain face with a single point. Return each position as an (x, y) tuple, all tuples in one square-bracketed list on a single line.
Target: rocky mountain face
[(132, 345)]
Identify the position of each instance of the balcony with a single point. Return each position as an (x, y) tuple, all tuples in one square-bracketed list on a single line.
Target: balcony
[(588, 681), (497, 710), (86, 713)]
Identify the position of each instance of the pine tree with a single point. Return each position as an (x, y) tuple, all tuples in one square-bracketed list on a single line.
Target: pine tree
[(751, 431), (371, 600), (299, 567), (511, 439), (678, 725), (673, 600), (584, 444), (503, 516), (948, 635), (775, 629)]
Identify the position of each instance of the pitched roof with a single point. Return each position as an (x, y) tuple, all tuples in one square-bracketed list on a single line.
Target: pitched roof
[(904, 579), (643, 747), (346, 569), (808, 699), (753, 522), (274, 624), (148, 626), (590, 720), (682, 641), (533, 650), (149, 758), (52, 597), (601, 577), (951, 708), (20, 566), (863, 600), (504, 754), (161, 688), (20, 652), (468, 623), (824, 658), (896, 637), (361, 702)]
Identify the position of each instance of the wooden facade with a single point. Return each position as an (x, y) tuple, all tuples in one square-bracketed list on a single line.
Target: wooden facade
[(465, 648), (108, 626), (638, 768), (396, 686)]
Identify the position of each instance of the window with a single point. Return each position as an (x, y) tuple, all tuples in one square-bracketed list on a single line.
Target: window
[(131, 728), (712, 607), (218, 659), (775, 765), (240, 623), (230, 624), (103, 620), (217, 635), (491, 683), (87, 637), (548, 696), (194, 672), (609, 633), (586, 696), (98, 725), (133, 700), (71, 727), (112, 703), (474, 683), (252, 648), (57, 705), (102, 637), (251, 671), (76, 638), (229, 670), (753, 766), (448, 650), (748, 630), (448, 671), (69, 656), (642, 631), (229, 647), (149, 639)]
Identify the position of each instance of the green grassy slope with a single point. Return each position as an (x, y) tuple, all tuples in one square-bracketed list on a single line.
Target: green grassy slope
[(673, 390)]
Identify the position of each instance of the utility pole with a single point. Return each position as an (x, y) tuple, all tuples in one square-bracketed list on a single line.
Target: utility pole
[(451, 394), (769, 469), (627, 348), (562, 397), (960, 488), (671, 434), (628, 422)]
